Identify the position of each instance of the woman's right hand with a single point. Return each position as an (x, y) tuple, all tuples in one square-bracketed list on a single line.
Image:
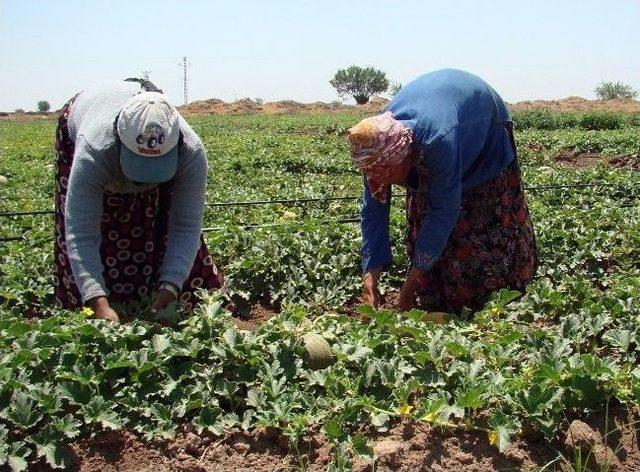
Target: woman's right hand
[(371, 296), (102, 310)]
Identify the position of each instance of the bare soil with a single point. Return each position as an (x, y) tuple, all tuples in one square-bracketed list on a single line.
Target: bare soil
[(408, 446), (582, 160), (259, 314)]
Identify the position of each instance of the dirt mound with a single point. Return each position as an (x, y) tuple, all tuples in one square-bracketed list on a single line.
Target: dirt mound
[(578, 104), (28, 116), (246, 106)]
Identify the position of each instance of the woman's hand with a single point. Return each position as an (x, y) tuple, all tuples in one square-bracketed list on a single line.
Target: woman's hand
[(102, 310), (371, 296), (161, 298), (407, 298)]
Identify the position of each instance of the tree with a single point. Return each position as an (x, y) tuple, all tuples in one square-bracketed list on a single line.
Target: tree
[(360, 82), (395, 88), (43, 106), (615, 91), (19, 110)]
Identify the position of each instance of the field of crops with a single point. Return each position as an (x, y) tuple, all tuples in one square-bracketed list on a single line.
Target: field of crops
[(494, 391)]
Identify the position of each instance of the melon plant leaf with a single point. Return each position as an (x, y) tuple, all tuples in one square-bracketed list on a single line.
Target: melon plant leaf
[(230, 336), (68, 425), (75, 392), (504, 428), (16, 456), (160, 342), (471, 398), (361, 446), (380, 421), (333, 430), (620, 338), (23, 411), (504, 437), (50, 446), (100, 411), (209, 420), (447, 411)]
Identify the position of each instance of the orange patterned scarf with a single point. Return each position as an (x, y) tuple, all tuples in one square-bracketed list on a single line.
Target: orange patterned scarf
[(378, 145)]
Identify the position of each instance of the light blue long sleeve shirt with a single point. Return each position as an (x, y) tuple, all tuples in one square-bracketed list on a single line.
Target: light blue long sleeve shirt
[(460, 133), (96, 168)]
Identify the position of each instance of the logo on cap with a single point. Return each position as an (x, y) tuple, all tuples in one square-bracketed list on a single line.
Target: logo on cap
[(149, 139)]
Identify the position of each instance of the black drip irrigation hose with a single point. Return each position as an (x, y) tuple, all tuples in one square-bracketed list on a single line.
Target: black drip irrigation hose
[(209, 229), (293, 201), (271, 225), (11, 238)]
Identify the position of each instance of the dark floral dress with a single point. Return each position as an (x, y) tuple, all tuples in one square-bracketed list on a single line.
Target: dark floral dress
[(491, 247), (134, 231)]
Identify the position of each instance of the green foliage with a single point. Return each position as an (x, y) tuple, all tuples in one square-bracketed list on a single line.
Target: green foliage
[(523, 363), (360, 82), (548, 120), (43, 106), (394, 88), (615, 91), (601, 121), (544, 120)]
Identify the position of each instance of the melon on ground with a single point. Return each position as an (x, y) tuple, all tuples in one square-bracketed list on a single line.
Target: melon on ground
[(438, 317), (318, 353)]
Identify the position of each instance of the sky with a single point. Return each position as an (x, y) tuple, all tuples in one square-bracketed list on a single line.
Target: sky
[(290, 49)]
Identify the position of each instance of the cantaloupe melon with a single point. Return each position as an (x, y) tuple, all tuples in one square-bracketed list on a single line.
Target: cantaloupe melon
[(437, 317), (318, 353)]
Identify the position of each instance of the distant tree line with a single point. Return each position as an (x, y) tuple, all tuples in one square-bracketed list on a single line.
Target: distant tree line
[(362, 83)]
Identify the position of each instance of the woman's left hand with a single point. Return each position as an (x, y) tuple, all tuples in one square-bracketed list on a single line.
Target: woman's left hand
[(407, 298), (161, 298)]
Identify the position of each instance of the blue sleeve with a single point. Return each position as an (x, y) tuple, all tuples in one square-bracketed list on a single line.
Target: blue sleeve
[(444, 193), (376, 247)]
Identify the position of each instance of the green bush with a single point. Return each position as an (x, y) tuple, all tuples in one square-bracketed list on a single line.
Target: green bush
[(545, 120), (634, 120), (550, 120), (602, 120)]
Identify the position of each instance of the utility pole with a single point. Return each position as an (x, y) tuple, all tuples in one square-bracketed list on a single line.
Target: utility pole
[(184, 70)]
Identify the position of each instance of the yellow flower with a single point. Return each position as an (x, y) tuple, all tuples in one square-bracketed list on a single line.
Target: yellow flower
[(493, 438), (430, 417), (87, 312), (405, 409)]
